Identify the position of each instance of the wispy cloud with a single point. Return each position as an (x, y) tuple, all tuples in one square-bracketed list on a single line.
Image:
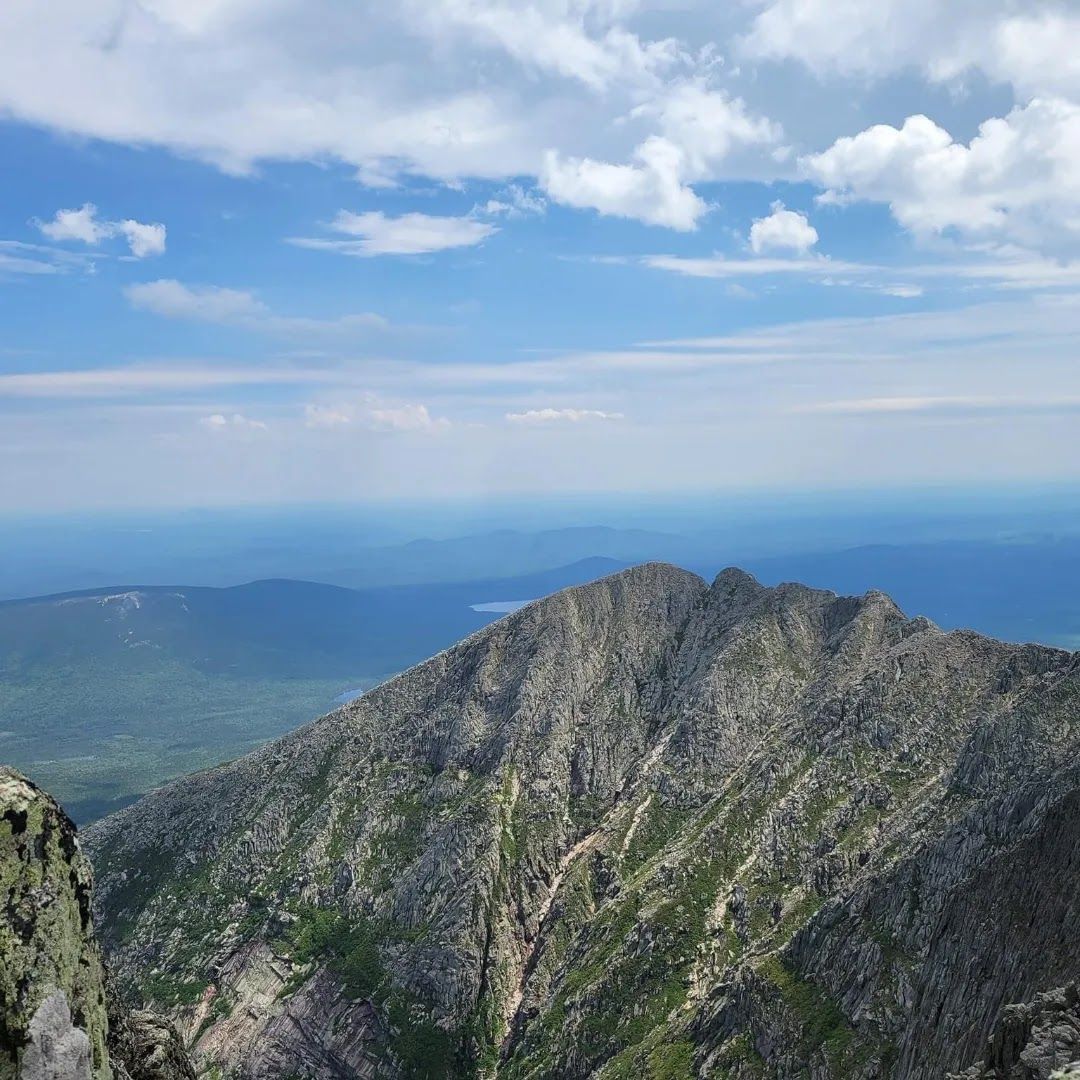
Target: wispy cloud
[(719, 266), (17, 257), (172, 299), (955, 403), (374, 233), (139, 380)]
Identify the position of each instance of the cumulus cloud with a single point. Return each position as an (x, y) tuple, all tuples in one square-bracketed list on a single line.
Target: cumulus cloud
[(651, 189), (1015, 182), (409, 417), (707, 125), (233, 422), (409, 234), (560, 416), (578, 41), (782, 230), (1031, 46), (698, 130), (84, 226), (143, 239)]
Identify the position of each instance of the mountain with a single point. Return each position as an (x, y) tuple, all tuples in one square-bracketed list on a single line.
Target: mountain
[(644, 827), (1017, 589), (506, 552), (107, 693), (60, 1018)]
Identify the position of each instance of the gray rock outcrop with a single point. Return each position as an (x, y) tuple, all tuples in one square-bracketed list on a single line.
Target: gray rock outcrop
[(58, 1020)]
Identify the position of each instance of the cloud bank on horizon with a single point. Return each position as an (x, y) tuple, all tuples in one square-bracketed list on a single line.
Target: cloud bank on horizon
[(857, 240)]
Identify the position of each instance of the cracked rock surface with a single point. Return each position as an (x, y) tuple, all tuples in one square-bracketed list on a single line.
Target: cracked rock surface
[(648, 827), (58, 1017)]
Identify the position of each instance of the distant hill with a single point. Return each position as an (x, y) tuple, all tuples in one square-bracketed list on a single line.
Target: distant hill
[(105, 693), (507, 552)]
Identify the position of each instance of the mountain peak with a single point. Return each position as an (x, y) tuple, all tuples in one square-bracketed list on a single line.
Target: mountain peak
[(697, 805)]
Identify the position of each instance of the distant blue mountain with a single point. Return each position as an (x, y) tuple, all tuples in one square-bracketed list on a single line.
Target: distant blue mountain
[(106, 692)]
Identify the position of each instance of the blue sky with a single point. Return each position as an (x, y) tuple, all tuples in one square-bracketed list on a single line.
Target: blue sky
[(257, 253)]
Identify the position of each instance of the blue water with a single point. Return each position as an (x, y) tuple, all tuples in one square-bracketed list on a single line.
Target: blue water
[(502, 606), (348, 695)]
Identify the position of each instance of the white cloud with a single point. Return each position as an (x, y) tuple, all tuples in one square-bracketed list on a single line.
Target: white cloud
[(720, 267), (409, 417), (370, 411), (203, 303), (409, 234), (652, 189), (173, 299), (17, 257), (708, 126), (944, 403), (561, 416), (137, 380), (84, 226), (698, 130), (233, 422), (143, 239), (1031, 46), (514, 202), (81, 225), (782, 230), (1017, 181)]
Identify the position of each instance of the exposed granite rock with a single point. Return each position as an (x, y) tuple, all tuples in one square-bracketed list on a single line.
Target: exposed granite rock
[(647, 827), (58, 1020), (56, 1049), (1035, 1041), (53, 1019), (145, 1046)]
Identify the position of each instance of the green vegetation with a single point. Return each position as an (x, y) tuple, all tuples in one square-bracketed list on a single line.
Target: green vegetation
[(349, 947), (824, 1026), (99, 732)]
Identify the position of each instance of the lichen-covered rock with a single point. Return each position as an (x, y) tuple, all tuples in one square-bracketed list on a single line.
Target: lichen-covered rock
[(646, 827), (53, 1020), (59, 1019)]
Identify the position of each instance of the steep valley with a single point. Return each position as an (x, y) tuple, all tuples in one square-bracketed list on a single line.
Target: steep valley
[(648, 826)]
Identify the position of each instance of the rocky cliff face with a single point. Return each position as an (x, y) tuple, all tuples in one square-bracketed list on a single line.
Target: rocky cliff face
[(646, 827), (58, 1020), (53, 1018)]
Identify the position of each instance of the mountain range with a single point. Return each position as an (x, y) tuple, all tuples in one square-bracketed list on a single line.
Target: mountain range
[(648, 826), (106, 693)]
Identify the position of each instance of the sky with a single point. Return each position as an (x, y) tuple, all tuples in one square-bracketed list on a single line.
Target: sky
[(272, 251)]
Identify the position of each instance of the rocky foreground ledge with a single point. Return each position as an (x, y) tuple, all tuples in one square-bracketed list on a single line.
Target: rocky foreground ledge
[(58, 1019)]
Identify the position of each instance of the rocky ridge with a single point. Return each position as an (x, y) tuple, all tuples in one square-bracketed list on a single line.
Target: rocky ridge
[(648, 826)]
